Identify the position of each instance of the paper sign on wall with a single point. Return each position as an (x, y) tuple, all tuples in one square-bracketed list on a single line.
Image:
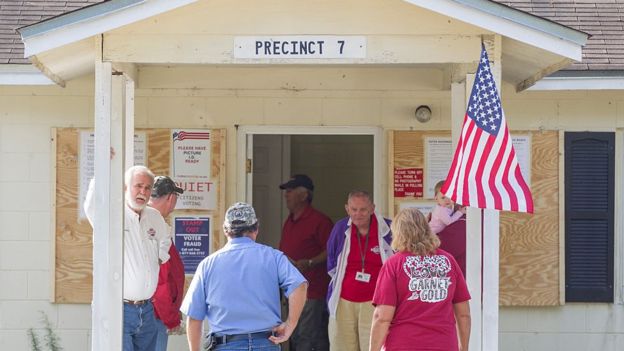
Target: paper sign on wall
[(191, 153), (87, 160), (438, 158), (425, 207), (191, 161), (192, 239), (408, 182), (522, 146)]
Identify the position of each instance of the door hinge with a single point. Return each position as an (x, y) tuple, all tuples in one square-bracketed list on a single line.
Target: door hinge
[(248, 165)]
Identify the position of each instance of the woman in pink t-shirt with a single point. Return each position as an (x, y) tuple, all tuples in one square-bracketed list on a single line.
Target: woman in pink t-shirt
[(421, 297)]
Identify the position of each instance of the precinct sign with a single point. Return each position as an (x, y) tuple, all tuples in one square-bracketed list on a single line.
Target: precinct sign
[(192, 239), (299, 47)]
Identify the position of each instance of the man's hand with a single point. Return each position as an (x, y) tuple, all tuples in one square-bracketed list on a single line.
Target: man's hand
[(281, 333), (302, 265), (296, 300), (179, 330)]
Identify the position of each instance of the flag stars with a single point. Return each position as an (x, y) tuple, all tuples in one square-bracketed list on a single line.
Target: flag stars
[(484, 106)]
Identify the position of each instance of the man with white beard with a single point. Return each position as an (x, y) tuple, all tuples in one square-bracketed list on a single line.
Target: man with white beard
[(146, 245)]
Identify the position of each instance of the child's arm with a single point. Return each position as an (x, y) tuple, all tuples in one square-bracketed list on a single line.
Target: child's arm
[(445, 217)]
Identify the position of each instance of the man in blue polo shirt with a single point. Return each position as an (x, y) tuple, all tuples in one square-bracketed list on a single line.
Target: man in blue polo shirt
[(238, 290)]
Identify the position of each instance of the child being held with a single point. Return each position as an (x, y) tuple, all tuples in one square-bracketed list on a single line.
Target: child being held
[(443, 213)]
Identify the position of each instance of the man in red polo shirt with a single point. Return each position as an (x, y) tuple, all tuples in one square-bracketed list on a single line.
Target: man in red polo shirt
[(304, 241)]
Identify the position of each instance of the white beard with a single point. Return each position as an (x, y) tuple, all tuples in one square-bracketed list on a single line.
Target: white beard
[(135, 206)]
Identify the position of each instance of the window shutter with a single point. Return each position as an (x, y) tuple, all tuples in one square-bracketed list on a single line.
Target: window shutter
[(589, 216)]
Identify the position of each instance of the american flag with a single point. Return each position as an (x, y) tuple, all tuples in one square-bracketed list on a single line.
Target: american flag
[(485, 171), (182, 135)]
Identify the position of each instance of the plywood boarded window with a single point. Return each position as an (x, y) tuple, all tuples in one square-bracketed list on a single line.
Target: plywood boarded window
[(529, 244), (72, 275)]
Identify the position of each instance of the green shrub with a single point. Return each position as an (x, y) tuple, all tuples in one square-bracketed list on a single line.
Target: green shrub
[(50, 339)]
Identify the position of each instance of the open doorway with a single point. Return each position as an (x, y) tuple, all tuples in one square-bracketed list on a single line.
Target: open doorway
[(337, 164)]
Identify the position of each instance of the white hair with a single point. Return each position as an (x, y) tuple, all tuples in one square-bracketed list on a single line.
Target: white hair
[(132, 171)]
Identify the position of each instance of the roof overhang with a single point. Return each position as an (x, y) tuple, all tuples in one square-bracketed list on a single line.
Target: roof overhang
[(532, 47), (22, 75), (89, 21), (581, 80)]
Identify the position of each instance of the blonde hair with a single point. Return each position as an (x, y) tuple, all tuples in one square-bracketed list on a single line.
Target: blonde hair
[(411, 233)]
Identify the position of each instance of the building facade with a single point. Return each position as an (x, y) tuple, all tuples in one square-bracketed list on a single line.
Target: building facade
[(344, 116)]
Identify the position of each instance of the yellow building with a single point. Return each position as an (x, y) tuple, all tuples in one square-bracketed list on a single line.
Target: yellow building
[(327, 88)]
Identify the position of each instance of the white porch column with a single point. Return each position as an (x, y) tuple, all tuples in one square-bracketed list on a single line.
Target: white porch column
[(460, 92), (128, 100), (111, 106), (491, 231)]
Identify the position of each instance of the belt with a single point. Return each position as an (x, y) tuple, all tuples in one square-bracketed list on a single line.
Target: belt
[(137, 302), (223, 339)]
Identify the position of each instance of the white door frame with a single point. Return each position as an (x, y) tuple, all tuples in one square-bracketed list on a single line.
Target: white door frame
[(244, 183)]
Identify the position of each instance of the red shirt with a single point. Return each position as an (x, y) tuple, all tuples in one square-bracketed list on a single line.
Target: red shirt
[(170, 290), (423, 290), (305, 238), (453, 241), (352, 289)]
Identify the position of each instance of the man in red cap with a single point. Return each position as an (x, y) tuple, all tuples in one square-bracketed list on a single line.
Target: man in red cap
[(304, 241), (170, 290)]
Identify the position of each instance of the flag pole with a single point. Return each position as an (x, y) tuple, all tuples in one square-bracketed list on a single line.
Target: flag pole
[(485, 174), (491, 231), (490, 279), (460, 93)]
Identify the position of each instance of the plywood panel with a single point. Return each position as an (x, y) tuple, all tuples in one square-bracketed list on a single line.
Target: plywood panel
[(529, 244), (73, 279), (158, 151), (218, 173), (73, 244)]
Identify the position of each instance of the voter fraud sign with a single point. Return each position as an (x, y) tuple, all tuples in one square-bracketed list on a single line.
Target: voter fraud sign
[(192, 239), (191, 161), (299, 47)]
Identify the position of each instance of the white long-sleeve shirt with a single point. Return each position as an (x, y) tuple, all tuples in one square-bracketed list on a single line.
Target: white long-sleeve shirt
[(146, 239)]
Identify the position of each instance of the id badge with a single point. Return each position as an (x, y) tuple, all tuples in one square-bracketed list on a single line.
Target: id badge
[(362, 277)]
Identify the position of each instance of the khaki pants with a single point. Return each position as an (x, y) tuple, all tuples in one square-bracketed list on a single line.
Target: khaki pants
[(350, 330)]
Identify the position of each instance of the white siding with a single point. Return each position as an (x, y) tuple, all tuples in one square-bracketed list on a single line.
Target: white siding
[(570, 327)]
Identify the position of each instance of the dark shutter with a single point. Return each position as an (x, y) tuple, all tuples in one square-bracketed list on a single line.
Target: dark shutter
[(589, 209)]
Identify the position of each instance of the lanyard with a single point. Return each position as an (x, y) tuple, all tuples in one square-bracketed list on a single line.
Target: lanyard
[(362, 254)]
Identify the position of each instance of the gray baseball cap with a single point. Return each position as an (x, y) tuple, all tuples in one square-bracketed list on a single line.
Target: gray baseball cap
[(239, 215)]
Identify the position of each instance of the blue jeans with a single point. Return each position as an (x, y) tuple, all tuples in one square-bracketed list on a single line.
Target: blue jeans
[(248, 345), (139, 332), (161, 336)]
